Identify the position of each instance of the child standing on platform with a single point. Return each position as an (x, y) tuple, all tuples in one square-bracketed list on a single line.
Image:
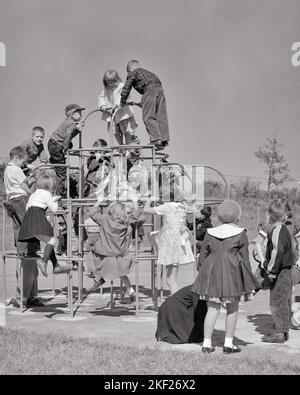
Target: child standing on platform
[(173, 240), (108, 101), (225, 274), (112, 247), (153, 102), (61, 141), (35, 225)]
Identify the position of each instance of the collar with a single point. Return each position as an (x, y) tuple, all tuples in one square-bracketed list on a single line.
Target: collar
[(225, 231)]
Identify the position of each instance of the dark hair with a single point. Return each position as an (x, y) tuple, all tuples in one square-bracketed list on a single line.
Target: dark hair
[(100, 143), (38, 129), (206, 211), (19, 152)]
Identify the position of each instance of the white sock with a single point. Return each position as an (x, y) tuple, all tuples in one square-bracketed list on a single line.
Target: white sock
[(228, 342), (206, 343), (131, 291)]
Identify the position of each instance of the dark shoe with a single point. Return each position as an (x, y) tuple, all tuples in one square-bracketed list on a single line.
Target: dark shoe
[(158, 145), (208, 350), (274, 338), (61, 269), (165, 143), (132, 297), (34, 303), (96, 285), (231, 350), (42, 266), (91, 275), (286, 336), (295, 327)]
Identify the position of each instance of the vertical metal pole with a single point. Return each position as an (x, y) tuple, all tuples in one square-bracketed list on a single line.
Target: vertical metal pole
[(137, 275), (111, 294), (69, 249), (80, 230), (194, 242), (22, 284), (3, 251)]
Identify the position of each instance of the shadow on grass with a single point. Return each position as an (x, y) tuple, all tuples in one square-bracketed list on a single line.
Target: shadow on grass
[(219, 337), (263, 323)]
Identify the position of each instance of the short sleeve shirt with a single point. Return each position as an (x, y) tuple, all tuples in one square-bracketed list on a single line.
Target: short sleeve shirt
[(174, 214), (13, 179)]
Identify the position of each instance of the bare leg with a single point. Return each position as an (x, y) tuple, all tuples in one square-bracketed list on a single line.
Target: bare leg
[(172, 272), (213, 310), (231, 319)]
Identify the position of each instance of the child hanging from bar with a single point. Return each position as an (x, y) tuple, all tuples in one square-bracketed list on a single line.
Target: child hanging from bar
[(35, 225), (112, 247)]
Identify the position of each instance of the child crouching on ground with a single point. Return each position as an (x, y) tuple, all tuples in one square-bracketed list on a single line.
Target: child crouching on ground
[(36, 227), (112, 246)]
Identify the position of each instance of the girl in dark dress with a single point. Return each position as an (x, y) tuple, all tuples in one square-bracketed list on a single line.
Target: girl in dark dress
[(225, 274), (35, 226)]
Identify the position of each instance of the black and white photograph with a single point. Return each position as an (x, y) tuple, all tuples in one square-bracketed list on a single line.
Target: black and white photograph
[(149, 190)]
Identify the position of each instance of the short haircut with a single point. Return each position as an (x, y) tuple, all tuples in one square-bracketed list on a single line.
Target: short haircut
[(19, 152), (46, 182), (206, 211), (277, 210), (38, 129), (131, 63), (100, 143), (111, 76)]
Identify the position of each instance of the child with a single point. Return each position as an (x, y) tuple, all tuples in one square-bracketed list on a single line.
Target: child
[(153, 102), (35, 225), (173, 240), (112, 246), (61, 141), (108, 100), (225, 274), (276, 267), (34, 146), (17, 192), (203, 223), (98, 168)]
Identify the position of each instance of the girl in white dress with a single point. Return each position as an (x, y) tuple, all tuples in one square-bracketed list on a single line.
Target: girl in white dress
[(173, 239)]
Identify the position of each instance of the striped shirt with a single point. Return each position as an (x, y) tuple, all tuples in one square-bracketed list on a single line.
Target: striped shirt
[(279, 253)]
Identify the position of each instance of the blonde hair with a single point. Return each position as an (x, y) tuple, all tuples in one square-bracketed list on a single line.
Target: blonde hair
[(117, 210), (111, 76), (46, 182)]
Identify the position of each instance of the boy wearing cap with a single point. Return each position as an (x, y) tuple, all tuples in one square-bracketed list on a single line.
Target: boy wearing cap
[(61, 141)]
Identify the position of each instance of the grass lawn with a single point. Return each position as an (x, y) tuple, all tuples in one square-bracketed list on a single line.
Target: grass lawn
[(28, 353)]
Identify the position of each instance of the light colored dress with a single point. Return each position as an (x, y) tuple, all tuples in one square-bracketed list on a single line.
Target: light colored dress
[(173, 240)]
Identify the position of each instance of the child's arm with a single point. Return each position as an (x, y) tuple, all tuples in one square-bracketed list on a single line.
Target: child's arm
[(258, 243), (26, 188), (52, 203), (127, 88), (95, 213), (72, 132), (148, 209), (205, 251), (244, 249)]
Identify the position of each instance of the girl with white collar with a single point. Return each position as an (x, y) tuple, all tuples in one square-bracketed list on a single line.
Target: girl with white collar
[(225, 274)]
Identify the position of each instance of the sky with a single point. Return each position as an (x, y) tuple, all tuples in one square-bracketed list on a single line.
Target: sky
[(225, 67)]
